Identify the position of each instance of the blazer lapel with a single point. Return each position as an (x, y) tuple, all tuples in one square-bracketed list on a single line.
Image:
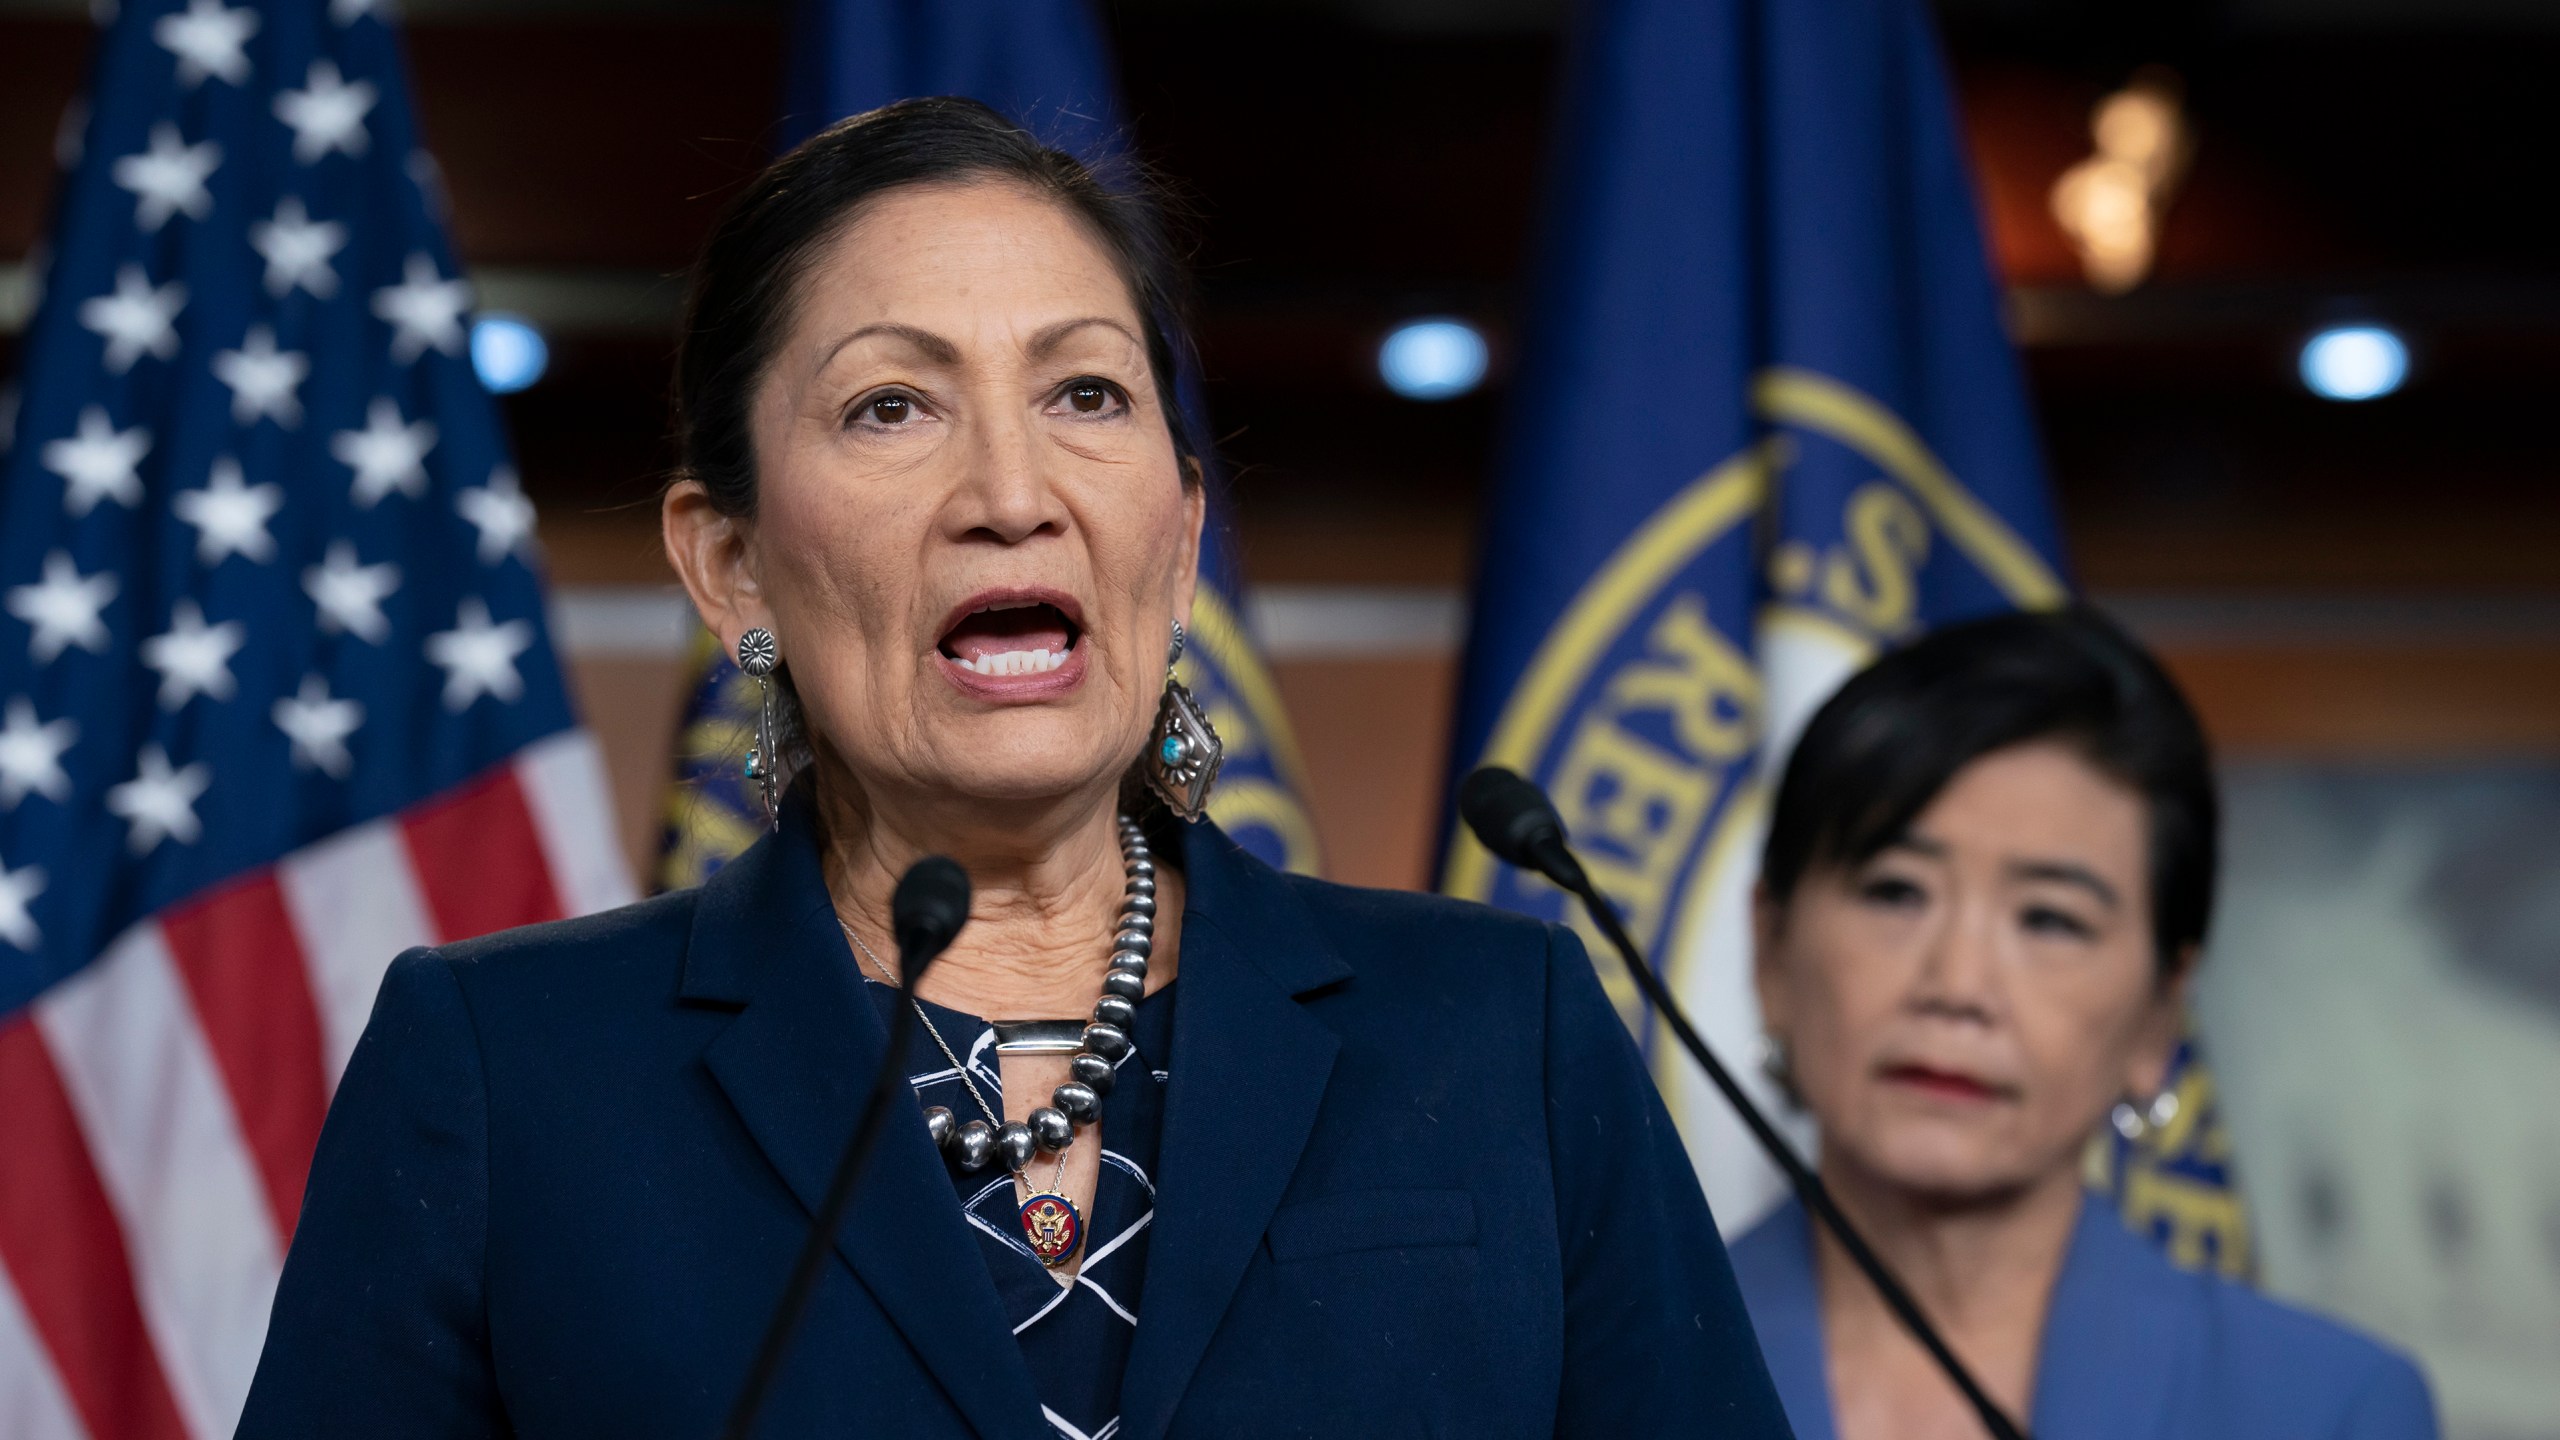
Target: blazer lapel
[(2123, 1347), (797, 1064), (1249, 1072), (1780, 1287)]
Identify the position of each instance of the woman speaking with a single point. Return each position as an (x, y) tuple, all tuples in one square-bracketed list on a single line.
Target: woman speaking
[(1196, 1148), (1986, 881)]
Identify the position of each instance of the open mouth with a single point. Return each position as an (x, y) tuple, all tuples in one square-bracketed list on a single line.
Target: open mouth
[(1012, 635)]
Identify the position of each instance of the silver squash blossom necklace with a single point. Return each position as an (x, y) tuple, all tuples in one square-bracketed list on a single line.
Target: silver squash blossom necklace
[(1051, 1223)]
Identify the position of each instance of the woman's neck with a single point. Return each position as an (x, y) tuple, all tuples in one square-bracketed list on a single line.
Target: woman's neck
[(1982, 1270), (1045, 891)]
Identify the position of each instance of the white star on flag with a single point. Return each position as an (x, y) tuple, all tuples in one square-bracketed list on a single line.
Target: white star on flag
[(64, 609), (17, 887), (388, 454), (31, 755), (350, 595), (499, 511), (298, 249), (424, 310), (168, 179), (208, 40), (348, 12), (98, 463), (230, 517), (326, 114), (194, 658), (263, 379), (160, 803), (137, 320), (319, 726), (479, 658)]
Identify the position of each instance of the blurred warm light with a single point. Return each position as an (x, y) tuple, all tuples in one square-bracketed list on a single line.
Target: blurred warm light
[(507, 353), (2111, 204), (1433, 359), (2354, 362)]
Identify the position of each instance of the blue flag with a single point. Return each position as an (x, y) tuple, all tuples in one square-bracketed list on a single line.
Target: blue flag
[(1769, 424), (1045, 64), (276, 697)]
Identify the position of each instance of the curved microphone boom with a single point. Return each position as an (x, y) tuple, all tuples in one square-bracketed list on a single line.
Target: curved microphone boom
[(927, 909), (1513, 818)]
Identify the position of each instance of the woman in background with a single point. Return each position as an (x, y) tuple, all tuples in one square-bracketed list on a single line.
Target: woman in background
[(1987, 879)]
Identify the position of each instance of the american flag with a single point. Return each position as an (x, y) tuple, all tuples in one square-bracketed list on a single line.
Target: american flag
[(276, 696)]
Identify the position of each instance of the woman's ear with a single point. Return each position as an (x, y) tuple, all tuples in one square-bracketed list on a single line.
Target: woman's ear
[(1766, 925), (713, 556), (1195, 514), (2164, 1024)]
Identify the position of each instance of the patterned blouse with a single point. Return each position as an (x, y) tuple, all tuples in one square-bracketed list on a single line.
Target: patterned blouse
[(1074, 1337)]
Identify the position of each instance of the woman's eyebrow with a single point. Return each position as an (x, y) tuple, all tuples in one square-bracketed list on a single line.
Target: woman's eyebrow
[(2067, 873), (935, 348), (1050, 337)]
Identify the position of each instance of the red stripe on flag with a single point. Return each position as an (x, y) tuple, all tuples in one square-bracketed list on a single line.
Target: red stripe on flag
[(244, 970), (479, 858), (64, 1253)]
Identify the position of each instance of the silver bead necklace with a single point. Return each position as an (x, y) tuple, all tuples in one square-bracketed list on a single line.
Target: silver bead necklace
[(1051, 1223)]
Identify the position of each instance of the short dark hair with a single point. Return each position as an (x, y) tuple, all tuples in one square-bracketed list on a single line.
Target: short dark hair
[(1879, 751), (750, 270)]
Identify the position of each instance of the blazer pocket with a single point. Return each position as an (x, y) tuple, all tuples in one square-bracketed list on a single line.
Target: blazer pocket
[(1356, 1220)]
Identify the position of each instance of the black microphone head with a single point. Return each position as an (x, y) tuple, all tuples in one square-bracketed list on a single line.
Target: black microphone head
[(927, 909), (1512, 818)]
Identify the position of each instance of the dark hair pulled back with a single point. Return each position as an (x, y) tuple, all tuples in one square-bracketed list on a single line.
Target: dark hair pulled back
[(750, 273), (1878, 752)]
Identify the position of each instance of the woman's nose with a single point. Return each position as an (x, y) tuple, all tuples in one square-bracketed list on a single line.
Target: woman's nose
[(1960, 966), (1006, 495)]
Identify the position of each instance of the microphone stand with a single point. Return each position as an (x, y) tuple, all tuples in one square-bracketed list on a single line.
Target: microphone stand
[(1548, 854), (918, 946)]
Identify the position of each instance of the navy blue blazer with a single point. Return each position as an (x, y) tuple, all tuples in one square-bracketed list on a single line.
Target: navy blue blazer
[(1414, 1181), (2134, 1349)]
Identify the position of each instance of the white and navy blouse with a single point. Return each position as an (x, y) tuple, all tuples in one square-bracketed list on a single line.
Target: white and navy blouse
[(1075, 1337)]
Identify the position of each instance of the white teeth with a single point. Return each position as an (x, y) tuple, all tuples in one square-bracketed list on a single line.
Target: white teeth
[(1016, 662)]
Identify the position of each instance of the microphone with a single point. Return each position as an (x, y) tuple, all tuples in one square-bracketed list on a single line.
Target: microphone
[(927, 909), (1513, 818)]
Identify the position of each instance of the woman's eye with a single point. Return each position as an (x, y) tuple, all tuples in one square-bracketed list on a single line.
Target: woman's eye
[(892, 409), (1091, 397), (2060, 924), (1891, 890)]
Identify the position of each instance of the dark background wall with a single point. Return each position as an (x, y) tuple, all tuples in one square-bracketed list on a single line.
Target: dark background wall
[(2373, 579)]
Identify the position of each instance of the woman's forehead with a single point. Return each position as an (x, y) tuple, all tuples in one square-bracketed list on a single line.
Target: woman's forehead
[(973, 260)]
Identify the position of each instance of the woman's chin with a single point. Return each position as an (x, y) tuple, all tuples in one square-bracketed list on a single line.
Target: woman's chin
[(1949, 1165), (1026, 759)]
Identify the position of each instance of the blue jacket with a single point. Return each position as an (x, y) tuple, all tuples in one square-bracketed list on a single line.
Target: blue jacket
[(2134, 1349), (1413, 1182)]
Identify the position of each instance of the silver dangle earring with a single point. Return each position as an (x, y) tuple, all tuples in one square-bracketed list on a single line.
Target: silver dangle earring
[(2134, 1124), (1183, 752), (1777, 1067), (756, 656)]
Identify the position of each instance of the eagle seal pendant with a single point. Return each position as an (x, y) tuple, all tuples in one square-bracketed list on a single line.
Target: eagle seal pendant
[(1053, 1225)]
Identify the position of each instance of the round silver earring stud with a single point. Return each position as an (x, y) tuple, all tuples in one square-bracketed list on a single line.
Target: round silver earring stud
[(1174, 655)]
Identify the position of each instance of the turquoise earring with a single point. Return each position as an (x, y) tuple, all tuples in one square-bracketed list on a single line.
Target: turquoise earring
[(1183, 751), (756, 656)]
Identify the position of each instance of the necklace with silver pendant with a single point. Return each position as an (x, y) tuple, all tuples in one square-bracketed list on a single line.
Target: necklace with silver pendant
[(1052, 1225)]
